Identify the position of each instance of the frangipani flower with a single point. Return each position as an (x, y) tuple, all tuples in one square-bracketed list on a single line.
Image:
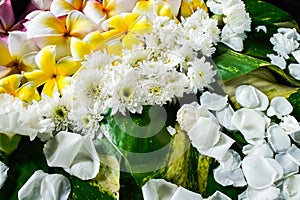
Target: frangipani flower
[(154, 8), (126, 27), (55, 75), (46, 29), (188, 7), (7, 19), (17, 54), (45, 186), (13, 85)]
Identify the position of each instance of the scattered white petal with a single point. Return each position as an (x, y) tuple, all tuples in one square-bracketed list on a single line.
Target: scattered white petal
[(219, 150), (3, 173), (296, 55), (171, 130), (186, 116), (294, 70), (291, 187), (261, 28), (262, 194), (224, 117), (278, 168), (289, 167), (290, 124), (296, 136), (157, 189), (73, 152), (277, 60), (250, 97), (278, 139), (262, 149), (213, 101), (44, 186), (294, 153), (257, 166), (250, 123), (218, 196), (280, 107), (182, 193)]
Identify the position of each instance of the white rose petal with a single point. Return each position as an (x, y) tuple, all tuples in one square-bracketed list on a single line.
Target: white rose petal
[(294, 70), (279, 61), (289, 166), (278, 168), (262, 149), (44, 186), (278, 138), (186, 116), (73, 152), (158, 189), (258, 172), (296, 55), (250, 123), (218, 196), (182, 193), (250, 97), (219, 150), (171, 130), (224, 117), (296, 136), (294, 153), (213, 101), (3, 173), (262, 194), (289, 124), (280, 107), (291, 187)]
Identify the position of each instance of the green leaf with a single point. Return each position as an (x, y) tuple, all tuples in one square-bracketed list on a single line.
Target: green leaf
[(294, 99), (231, 64), (8, 143), (263, 80)]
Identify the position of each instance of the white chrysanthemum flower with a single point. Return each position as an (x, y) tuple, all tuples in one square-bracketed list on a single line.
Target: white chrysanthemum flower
[(285, 41), (134, 56), (90, 86), (126, 94), (201, 74), (98, 60)]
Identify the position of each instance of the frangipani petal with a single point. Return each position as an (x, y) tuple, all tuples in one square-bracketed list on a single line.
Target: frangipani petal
[(67, 66), (78, 25), (45, 59), (253, 129), (250, 97), (11, 83), (188, 7), (7, 17), (94, 11), (50, 87), (45, 24), (280, 107), (5, 56), (27, 92), (37, 76), (44, 186), (75, 153), (63, 7), (62, 83), (213, 101), (257, 166), (79, 48), (115, 7), (278, 138)]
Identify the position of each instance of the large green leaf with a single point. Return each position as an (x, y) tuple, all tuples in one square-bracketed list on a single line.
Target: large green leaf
[(231, 64), (294, 99)]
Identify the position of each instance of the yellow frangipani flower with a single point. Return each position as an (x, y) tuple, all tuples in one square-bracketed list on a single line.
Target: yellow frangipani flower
[(55, 76), (154, 8), (12, 85), (126, 27), (189, 6)]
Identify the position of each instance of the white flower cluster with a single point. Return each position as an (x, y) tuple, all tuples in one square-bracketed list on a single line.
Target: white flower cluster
[(286, 45), (272, 153), (236, 20)]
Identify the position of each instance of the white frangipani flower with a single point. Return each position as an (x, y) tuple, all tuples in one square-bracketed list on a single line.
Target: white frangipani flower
[(250, 123), (213, 101), (73, 152), (3, 173), (258, 166), (280, 107), (250, 97), (45, 186), (278, 138)]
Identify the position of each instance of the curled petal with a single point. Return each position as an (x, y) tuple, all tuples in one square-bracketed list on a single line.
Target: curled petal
[(250, 97)]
